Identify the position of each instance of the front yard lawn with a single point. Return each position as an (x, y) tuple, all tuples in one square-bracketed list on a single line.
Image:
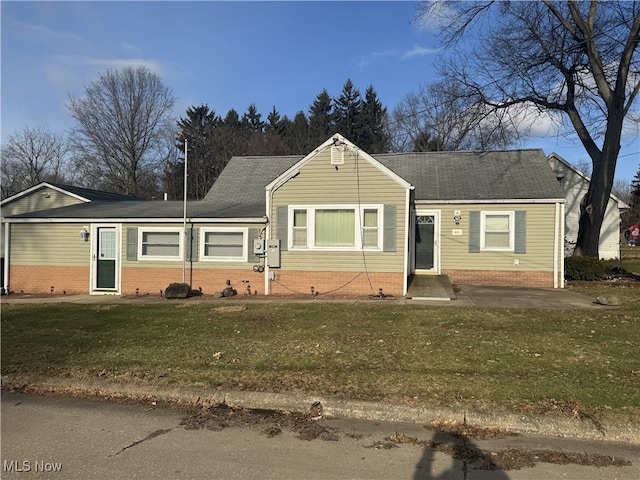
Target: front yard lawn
[(522, 360)]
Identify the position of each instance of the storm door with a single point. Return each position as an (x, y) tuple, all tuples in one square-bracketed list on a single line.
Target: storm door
[(426, 241), (105, 258)]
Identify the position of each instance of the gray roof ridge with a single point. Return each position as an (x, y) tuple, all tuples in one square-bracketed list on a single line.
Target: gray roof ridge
[(65, 186), (442, 152)]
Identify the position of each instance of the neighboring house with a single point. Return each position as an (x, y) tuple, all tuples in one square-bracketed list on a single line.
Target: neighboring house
[(575, 185), (336, 220)]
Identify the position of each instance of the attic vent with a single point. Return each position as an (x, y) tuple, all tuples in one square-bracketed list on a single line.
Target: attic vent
[(337, 155)]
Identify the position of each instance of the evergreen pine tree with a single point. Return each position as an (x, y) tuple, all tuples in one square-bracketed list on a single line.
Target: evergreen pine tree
[(321, 118), (348, 111), (199, 129), (297, 138), (274, 134), (252, 120), (373, 137), (274, 122)]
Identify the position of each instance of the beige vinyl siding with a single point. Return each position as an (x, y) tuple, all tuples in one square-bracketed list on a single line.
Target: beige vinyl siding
[(355, 182), (34, 202), (540, 226), (38, 200), (52, 244), (199, 264)]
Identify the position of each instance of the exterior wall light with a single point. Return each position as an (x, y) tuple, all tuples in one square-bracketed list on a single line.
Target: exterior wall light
[(84, 234)]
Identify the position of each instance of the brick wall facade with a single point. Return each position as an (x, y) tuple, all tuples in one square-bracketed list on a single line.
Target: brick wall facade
[(339, 283), (40, 279), (74, 280), (500, 278), (152, 280)]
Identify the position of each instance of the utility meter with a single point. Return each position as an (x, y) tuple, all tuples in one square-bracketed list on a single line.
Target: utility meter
[(258, 246)]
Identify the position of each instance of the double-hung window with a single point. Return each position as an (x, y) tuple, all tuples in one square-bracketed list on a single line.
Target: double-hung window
[(497, 231), (224, 244), (299, 228), (344, 227), (160, 244)]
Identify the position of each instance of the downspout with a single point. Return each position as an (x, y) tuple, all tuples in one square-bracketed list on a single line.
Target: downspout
[(269, 202), (556, 233), (267, 235), (407, 245), (562, 227), (7, 238)]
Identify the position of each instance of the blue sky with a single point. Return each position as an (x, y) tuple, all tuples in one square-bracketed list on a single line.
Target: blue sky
[(225, 54)]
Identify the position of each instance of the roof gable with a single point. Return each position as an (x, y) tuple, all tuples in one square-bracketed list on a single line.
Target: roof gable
[(78, 193), (559, 165), (342, 142)]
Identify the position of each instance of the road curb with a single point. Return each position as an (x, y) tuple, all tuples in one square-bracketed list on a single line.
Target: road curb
[(546, 425)]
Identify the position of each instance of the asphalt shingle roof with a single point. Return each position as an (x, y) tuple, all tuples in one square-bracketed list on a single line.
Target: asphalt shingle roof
[(239, 191), (447, 176), (244, 178)]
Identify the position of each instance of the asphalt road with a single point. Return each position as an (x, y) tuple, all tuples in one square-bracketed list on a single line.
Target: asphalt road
[(58, 437)]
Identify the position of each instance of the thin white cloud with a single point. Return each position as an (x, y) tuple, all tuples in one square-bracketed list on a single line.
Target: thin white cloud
[(418, 51), (393, 54), (130, 48), (42, 33), (155, 66), (375, 57)]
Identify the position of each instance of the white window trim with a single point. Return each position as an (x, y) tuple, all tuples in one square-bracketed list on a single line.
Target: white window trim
[(483, 216), (358, 226), (245, 236), (143, 230)]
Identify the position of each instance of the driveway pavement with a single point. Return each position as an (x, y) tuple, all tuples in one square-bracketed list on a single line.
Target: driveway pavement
[(521, 297)]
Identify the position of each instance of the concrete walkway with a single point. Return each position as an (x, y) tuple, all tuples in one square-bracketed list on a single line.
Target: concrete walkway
[(465, 296)]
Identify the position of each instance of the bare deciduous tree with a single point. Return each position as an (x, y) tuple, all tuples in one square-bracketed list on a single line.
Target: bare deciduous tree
[(32, 156), (437, 117), (123, 121), (576, 59)]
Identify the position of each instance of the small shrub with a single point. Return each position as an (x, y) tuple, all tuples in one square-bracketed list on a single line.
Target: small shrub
[(583, 268)]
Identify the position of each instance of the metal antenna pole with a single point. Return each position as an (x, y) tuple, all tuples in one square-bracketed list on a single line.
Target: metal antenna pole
[(184, 214)]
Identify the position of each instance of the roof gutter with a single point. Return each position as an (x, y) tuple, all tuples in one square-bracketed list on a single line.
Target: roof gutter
[(135, 220), (494, 201)]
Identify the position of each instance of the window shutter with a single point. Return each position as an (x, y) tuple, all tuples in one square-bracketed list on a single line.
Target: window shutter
[(132, 244), (282, 229), (192, 244), (520, 232), (254, 234), (389, 234), (474, 232)]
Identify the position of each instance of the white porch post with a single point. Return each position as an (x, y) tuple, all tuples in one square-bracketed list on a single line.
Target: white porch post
[(7, 250)]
